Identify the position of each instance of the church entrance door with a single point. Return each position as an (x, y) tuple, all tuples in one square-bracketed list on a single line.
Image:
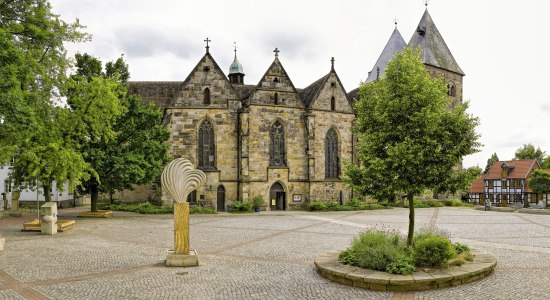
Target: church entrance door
[(221, 198), (277, 197)]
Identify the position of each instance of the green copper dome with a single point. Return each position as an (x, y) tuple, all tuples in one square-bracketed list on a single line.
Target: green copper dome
[(236, 67)]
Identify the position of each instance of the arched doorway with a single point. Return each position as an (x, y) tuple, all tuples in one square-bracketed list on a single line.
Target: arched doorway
[(221, 198), (277, 197)]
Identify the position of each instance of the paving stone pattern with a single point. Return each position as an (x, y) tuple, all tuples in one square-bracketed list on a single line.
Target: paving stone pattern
[(256, 256)]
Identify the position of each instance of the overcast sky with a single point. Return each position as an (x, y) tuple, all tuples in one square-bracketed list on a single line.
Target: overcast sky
[(502, 46)]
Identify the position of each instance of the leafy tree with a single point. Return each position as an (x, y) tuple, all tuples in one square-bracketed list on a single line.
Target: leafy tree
[(490, 162), (33, 65), (459, 180), (540, 182), (122, 139), (410, 136), (528, 151)]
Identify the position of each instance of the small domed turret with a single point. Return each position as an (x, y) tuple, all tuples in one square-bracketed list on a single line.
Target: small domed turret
[(236, 73)]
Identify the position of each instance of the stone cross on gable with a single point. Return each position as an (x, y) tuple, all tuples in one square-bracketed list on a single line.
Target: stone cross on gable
[(276, 52), (207, 47), (332, 63)]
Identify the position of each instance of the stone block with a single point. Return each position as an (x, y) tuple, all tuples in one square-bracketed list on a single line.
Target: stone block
[(48, 218), (182, 260), (2, 243)]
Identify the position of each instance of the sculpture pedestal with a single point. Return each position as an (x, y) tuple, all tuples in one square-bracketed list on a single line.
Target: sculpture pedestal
[(181, 256), (182, 260), (48, 214)]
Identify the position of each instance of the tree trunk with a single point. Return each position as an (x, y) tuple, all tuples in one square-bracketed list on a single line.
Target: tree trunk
[(95, 195), (410, 197), (46, 187)]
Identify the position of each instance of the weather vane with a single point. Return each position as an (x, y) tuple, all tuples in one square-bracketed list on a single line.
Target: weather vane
[(395, 22), (426, 2)]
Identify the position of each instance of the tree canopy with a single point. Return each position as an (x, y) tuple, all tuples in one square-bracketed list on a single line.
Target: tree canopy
[(410, 136), (528, 151), (33, 67), (490, 162), (122, 139), (539, 182)]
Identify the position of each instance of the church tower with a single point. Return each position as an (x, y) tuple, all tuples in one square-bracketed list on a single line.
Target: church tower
[(236, 73), (437, 57)]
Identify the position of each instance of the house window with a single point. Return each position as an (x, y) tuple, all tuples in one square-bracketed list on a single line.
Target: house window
[(277, 145), (491, 184), (207, 159), (206, 98), (332, 164), (504, 184), (332, 103)]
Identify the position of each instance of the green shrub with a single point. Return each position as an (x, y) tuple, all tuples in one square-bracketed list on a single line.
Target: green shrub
[(241, 206), (355, 203), (433, 251), (428, 233), (403, 266), (333, 205), (317, 205), (375, 249), (456, 203), (258, 201), (460, 248), (201, 210), (424, 203)]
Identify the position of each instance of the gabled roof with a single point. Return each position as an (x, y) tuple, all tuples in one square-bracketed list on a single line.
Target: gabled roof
[(518, 169), (274, 64), (434, 49), (311, 92), (477, 185), (196, 69), (395, 44)]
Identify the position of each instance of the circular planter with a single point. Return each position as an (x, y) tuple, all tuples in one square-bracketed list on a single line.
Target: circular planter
[(329, 267)]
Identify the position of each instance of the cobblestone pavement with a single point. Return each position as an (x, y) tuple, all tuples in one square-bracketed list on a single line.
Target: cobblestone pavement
[(256, 256)]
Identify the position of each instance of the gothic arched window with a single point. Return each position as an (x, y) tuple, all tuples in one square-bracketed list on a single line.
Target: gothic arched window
[(332, 103), (332, 161), (206, 98), (207, 157), (451, 89), (277, 145)]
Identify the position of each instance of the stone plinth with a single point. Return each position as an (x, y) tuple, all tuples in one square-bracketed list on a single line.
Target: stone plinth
[(182, 260), (48, 216), (14, 210)]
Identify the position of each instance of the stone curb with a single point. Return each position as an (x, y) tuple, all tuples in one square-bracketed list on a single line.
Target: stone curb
[(328, 266), (535, 211)]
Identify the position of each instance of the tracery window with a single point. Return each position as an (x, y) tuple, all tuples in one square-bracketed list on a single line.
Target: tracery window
[(206, 98), (207, 157), (277, 145), (332, 161)]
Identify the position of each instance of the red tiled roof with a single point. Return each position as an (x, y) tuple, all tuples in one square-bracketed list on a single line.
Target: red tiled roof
[(477, 185), (521, 168)]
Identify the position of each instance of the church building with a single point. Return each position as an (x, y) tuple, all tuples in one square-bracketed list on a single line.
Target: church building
[(272, 139)]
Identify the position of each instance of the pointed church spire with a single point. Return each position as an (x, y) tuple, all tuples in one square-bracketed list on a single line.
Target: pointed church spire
[(395, 44), (434, 49)]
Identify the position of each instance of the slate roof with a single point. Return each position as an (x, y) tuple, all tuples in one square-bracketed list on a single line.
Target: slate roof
[(244, 91), (434, 49), (158, 92), (395, 44), (520, 169), (309, 93)]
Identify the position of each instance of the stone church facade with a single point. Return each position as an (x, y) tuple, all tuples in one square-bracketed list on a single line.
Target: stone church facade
[(285, 144)]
